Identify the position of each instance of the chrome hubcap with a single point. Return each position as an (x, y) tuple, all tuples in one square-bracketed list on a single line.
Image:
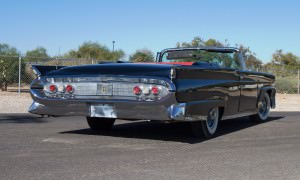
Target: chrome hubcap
[(263, 108), (212, 120)]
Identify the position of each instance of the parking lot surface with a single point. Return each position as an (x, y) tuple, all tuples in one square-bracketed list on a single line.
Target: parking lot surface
[(32, 147)]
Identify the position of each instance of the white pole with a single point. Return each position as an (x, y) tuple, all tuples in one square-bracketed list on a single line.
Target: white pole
[(19, 88), (298, 82)]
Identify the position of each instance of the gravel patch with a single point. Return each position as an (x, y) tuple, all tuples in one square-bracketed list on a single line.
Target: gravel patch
[(287, 102), (12, 102)]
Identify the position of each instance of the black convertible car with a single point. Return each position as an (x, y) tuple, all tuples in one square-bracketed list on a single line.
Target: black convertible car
[(200, 85)]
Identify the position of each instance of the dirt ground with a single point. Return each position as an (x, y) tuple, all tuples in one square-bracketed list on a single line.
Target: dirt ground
[(287, 102), (12, 102)]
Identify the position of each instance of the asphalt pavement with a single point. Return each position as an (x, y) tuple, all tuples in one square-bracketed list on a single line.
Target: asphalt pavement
[(32, 147)]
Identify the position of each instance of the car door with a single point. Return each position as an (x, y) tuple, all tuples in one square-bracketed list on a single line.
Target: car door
[(248, 88)]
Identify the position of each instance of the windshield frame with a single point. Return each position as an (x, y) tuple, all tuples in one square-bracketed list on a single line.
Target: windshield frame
[(209, 49)]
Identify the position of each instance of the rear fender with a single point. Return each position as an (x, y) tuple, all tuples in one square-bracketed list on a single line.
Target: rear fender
[(201, 108), (271, 92)]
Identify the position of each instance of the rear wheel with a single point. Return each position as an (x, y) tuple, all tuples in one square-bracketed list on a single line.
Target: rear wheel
[(207, 128), (104, 124), (264, 106)]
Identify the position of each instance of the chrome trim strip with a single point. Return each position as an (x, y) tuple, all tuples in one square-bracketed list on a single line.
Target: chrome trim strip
[(221, 49), (177, 111), (238, 115), (112, 90), (111, 78)]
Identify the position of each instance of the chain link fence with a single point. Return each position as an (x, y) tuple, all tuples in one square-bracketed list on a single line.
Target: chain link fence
[(16, 73)]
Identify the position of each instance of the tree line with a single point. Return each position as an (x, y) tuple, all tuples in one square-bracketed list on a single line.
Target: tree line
[(88, 50), (9, 64), (281, 64), (97, 51), (279, 57)]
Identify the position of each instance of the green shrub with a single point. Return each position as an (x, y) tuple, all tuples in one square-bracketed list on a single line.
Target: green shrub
[(286, 85)]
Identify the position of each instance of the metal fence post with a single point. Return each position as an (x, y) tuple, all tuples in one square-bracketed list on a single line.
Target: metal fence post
[(298, 81), (19, 86)]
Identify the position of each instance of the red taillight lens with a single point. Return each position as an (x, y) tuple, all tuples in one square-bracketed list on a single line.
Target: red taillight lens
[(69, 89), (53, 88), (155, 90), (137, 90)]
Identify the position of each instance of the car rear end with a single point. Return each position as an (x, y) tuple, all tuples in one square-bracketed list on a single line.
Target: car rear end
[(122, 95)]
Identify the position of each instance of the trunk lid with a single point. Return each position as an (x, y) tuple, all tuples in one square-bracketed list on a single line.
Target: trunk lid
[(126, 69)]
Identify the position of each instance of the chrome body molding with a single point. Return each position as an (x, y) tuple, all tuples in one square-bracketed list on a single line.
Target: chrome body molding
[(238, 115)]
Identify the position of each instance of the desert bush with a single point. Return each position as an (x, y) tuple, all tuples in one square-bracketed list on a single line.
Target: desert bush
[(286, 85)]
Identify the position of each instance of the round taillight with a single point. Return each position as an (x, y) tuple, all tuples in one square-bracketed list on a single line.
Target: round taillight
[(69, 89), (155, 90), (137, 90), (53, 88)]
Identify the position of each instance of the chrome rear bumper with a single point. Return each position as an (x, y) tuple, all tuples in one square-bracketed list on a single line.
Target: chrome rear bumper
[(164, 109)]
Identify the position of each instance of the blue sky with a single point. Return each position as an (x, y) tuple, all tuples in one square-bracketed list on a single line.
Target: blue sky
[(264, 26)]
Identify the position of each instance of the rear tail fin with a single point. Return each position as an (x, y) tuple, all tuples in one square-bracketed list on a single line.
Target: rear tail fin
[(43, 70)]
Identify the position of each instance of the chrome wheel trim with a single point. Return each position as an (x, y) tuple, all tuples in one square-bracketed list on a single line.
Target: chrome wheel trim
[(212, 120), (264, 107)]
